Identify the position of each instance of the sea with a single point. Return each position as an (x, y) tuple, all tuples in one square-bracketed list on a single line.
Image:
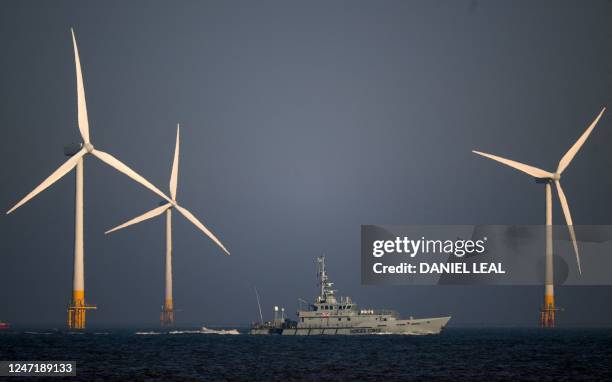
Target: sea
[(193, 354)]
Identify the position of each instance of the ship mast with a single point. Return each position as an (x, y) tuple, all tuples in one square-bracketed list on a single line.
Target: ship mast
[(326, 294), (322, 275)]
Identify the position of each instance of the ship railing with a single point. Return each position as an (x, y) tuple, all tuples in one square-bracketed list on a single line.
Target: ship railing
[(390, 312)]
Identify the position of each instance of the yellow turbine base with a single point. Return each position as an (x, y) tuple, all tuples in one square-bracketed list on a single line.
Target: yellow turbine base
[(547, 313), (77, 310), (167, 313)]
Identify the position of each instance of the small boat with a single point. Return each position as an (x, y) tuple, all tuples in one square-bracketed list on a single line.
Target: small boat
[(4, 325), (205, 330)]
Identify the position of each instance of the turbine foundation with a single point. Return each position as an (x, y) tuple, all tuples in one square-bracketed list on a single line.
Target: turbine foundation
[(76, 311), (167, 313), (547, 313)]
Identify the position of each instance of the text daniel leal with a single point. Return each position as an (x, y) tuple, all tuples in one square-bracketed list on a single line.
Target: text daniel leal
[(425, 268)]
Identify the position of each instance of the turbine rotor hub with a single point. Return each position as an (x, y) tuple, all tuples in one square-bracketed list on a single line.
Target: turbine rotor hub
[(556, 176), (89, 147)]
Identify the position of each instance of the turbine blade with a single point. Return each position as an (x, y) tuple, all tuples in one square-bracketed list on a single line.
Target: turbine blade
[(81, 105), (567, 158), (568, 220), (530, 170), (175, 165), (201, 226), (147, 215), (118, 165), (57, 174)]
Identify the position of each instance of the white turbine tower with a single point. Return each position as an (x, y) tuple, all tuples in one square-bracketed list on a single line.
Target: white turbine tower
[(77, 308), (167, 313), (547, 313)]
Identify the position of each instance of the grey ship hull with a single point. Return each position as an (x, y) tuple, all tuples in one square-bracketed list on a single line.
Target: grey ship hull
[(422, 326)]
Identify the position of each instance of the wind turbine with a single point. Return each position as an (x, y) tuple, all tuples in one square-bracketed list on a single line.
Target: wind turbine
[(167, 313), (78, 307), (547, 313)]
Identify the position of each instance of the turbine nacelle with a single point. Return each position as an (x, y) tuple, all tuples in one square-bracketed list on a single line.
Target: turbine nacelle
[(169, 204), (553, 178), (72, 149)]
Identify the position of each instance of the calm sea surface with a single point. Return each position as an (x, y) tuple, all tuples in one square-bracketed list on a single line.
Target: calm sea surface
[(468, 354)]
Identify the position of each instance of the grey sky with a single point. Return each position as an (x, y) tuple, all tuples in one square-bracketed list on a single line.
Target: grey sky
[(300, 121)]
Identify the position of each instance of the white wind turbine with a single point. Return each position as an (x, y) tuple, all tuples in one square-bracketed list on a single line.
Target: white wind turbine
[(167, 313), (547, 314), (77, 308)]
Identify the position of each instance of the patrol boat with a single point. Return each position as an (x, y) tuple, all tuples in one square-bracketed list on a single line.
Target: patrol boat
[(329, 315)]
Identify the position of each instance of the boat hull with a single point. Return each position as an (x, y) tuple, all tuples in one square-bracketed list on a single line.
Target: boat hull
[(265, 331), (422, 326)]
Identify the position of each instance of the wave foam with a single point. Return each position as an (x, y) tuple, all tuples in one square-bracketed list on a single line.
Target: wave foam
[(147, 333), (205, 330)]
